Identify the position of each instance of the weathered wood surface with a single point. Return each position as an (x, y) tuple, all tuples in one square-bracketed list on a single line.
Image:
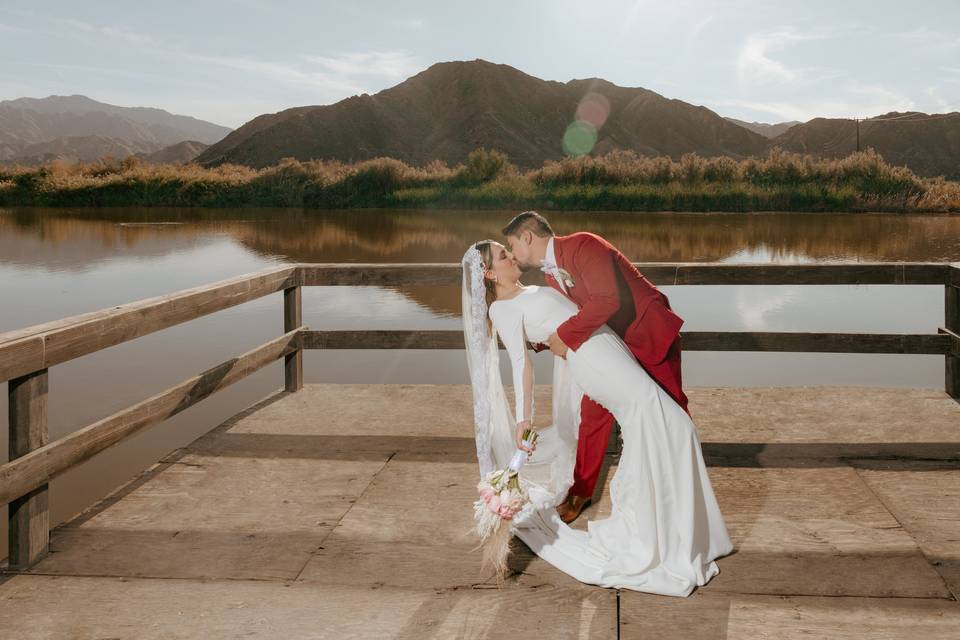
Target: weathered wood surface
[(692, 341), (951, 306), (292, 320), (31, 470), (915, 495), (29, 516), (44, 345), (344, 510), (728, 616)]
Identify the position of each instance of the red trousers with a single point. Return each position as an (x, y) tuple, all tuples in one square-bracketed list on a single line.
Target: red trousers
[(596, 424)]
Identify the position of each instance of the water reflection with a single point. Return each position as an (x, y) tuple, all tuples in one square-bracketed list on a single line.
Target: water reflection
[(76, 237), (80, 239)]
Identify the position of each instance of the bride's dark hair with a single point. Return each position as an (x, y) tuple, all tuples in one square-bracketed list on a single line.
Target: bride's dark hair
[(485, 247)]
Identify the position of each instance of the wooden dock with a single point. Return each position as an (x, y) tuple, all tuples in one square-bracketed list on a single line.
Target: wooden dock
[(344, 511)]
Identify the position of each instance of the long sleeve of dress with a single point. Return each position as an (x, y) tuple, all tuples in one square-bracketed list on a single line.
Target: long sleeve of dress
[(508, 321)]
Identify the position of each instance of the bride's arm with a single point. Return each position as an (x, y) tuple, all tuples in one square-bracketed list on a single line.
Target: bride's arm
[(509, 324)]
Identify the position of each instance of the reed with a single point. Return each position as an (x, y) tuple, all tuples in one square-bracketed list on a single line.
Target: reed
[(621, 180)]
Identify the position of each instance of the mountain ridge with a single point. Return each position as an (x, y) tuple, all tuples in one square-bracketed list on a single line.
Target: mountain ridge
[(78, 128), (450, 108), (447, 110)]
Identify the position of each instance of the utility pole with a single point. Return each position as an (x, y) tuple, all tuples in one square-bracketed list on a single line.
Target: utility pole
[(857, 120)]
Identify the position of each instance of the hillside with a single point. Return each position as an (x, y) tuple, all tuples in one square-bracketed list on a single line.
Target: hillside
[(77, 149), (928, 144), (180, 153), (451, 108), (78, 128), (764, 129)]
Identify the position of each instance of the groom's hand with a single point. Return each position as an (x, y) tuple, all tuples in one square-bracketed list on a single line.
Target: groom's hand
[(557, 346)]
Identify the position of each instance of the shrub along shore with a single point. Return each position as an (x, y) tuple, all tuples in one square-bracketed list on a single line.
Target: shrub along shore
[(620, 181)]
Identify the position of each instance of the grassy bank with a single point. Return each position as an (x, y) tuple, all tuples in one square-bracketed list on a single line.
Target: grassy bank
[(619, 181)]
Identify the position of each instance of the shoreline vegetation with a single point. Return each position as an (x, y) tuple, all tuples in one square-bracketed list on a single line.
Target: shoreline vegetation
[(622, 180)]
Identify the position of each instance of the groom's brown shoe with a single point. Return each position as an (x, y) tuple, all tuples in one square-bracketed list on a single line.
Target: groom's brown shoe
[(574, 505)]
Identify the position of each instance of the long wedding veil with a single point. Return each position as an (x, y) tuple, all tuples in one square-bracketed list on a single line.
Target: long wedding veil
[(549, 471), (491, 413)]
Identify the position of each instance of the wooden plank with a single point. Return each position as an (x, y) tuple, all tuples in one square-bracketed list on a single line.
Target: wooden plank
[(951, 308), (692, 341), (709, 615), (382, 275), (815, 342), (660, 273), (29, 515), (789, 618), (83, 608), (19, 357), (390, 539), (213, 518), (822, 274), (79, 335), (814, 531), (292, 319), (41, 465), (927, 503)]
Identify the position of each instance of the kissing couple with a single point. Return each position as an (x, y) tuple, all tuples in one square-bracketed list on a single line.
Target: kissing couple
[(616, 344)]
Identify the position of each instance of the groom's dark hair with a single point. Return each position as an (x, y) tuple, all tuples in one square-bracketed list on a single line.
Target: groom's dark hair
[(529, 221)]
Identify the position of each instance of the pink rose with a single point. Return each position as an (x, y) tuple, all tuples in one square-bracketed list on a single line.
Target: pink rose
[(494, 503), (486, 493)]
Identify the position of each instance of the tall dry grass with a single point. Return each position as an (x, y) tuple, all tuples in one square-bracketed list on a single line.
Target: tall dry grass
[(621, 180)]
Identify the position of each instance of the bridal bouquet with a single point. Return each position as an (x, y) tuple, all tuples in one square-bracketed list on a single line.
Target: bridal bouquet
[(501, 498)]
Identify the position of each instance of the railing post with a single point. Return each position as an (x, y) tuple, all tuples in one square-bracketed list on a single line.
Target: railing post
[(951, 306), (29, 517), (292, 318)]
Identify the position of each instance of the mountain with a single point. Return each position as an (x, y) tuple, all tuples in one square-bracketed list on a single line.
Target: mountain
[(764, 129), (77, 149), (76, 127), (180, 153), (927, 143), (451, 108)]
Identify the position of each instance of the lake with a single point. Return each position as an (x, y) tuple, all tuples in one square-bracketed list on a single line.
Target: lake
[(60, 262)]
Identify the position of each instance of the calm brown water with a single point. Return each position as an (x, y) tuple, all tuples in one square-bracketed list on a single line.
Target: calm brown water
[(60, 262)]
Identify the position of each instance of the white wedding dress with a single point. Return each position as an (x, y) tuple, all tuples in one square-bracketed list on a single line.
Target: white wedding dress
[(665, 529)]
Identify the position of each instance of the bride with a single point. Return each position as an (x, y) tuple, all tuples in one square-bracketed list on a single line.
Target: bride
[(665, 529)]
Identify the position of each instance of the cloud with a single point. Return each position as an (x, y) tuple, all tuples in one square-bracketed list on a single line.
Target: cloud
[(858, 100), (283, 73), (335, 76), (395, 65), (754, 61), (940, 104), (122, 33), (930, 39)]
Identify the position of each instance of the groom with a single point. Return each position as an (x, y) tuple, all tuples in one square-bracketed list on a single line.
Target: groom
[(608, 289)]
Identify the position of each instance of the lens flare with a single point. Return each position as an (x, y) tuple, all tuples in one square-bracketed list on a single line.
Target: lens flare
[(579, 138), (594, 108)]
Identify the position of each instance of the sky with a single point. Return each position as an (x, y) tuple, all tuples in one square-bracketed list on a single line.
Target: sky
[(228, 61)]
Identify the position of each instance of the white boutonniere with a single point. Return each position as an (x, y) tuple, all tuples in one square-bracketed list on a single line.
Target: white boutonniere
[(566, 278)]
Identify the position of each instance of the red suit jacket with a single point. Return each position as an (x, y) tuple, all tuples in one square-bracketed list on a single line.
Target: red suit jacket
[(609, 289)]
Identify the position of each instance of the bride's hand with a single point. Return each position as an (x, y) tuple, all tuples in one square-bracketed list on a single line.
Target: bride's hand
[(521, 427)]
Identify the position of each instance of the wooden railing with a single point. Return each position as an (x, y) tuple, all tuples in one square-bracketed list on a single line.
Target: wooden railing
[(27, 354)]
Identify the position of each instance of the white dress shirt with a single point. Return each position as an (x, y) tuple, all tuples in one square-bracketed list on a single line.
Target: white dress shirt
[(551, 258)]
